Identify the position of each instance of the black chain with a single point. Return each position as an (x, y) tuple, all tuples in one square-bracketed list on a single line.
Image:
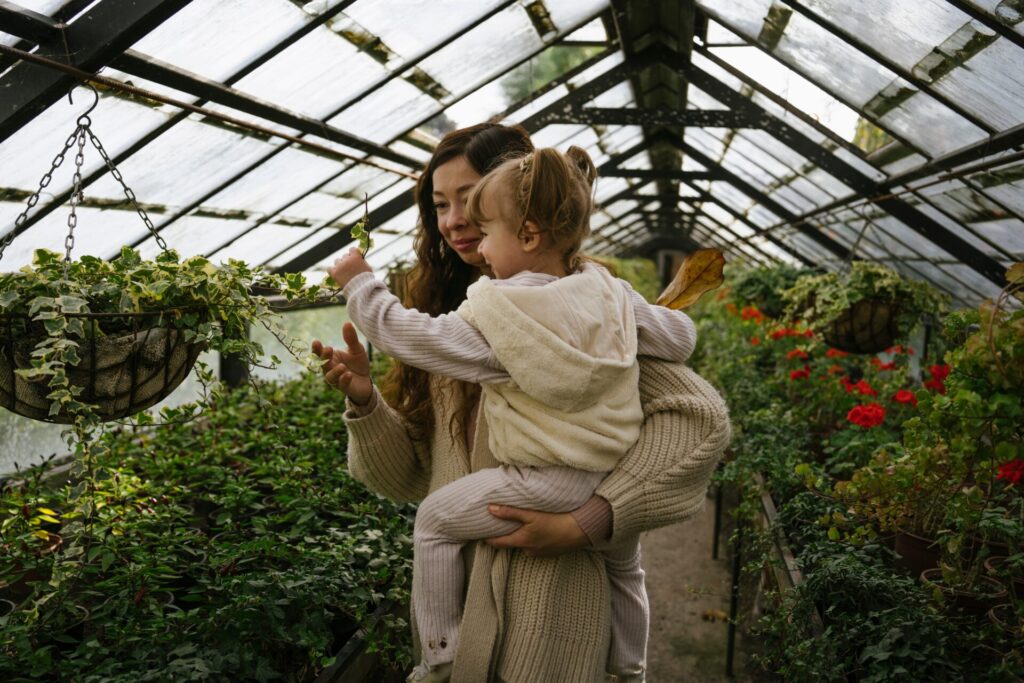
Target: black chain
[(81, 131), (34, 197), (124, 186)]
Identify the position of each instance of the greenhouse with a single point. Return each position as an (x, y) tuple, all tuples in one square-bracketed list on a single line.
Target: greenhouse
[(524, 341)]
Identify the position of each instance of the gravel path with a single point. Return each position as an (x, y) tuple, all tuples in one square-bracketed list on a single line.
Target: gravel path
[(689, 594)]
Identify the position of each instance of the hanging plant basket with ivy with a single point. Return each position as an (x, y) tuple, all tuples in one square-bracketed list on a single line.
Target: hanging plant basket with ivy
[(863, 311), (118, 336), (90, 340)]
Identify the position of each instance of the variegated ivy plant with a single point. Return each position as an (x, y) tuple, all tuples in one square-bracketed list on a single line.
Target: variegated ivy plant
[(213, 305)]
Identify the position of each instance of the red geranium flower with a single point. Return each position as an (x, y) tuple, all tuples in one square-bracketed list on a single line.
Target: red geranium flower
[(801, 374), (867, 416), (847, 384), (752, 313), (808, 333), (836, 353), (835, 369), (864, 388), (905, 396), (938, 381), (877, 362), (779, 333), (797, 353), (1012, 471), (755, 340), (731, 307)]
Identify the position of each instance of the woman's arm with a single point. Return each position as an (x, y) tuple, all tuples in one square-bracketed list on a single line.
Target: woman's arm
[(665, 476), (662, 480)]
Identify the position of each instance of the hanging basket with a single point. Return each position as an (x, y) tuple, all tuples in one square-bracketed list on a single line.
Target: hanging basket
[(867, 326), (121, 373)]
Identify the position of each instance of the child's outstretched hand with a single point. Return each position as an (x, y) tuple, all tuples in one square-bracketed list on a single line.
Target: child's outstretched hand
[(348, 266)]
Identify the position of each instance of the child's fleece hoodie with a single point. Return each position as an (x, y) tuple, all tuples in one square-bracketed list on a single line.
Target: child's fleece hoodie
[(569, 347)]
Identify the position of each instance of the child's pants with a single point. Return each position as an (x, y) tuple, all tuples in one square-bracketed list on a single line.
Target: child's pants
[(457, 513)]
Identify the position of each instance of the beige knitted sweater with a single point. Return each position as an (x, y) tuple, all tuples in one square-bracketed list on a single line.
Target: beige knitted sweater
[(538, 620)]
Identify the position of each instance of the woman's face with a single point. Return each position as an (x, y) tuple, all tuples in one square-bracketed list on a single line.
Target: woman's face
[(453, 181)]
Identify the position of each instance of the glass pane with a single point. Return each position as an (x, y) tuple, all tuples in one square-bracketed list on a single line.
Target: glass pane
[(412, 28), (194, 38), (161, 173), (27, 155), (258, 244), (904, 32), (1008, 13), (1005, 184), (98, 233), (989, 85), (315, 75), (387, 112), (192, 235), (476, 56)]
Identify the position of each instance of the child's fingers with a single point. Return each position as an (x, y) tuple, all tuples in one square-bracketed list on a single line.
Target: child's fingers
[(333, 376)]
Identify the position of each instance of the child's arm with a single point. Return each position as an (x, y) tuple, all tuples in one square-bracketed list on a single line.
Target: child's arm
[(446, 344), (661, 332)]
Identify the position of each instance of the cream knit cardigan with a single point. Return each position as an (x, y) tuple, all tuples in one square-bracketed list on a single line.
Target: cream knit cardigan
[(547, 620)]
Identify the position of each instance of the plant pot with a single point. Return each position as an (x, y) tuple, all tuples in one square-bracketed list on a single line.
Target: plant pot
[(995, 566), (915, 553), (120, 375), (1006, 620), (970, 602), (867, 326)]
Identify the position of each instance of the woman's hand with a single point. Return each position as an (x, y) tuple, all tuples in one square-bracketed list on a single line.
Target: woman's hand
[(348, 370), (348, 266), (542, 534)]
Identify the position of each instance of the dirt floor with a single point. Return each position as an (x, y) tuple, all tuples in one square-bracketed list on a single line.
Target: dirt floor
[(689, 595)]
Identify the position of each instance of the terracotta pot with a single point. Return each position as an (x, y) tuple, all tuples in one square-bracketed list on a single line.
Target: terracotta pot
[(916, 553), (867, 326), (973, 603), (994, 565), (1005, 618), (121, 375)]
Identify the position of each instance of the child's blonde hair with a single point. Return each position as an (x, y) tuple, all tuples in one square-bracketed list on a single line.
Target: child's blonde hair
[(551, 189)]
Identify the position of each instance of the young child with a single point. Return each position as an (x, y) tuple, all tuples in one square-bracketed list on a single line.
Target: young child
[(553, 341)]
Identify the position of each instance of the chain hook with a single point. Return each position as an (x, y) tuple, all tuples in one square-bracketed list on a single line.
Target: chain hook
[(95, 101)]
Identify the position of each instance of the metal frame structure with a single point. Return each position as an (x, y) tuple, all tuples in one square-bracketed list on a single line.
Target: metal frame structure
[(775, 207)]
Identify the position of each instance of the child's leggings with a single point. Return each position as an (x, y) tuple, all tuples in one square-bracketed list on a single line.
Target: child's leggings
[(457, 513)]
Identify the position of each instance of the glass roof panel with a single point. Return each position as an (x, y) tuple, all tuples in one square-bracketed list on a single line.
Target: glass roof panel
[(478, 55), (1008, 13), (191, 235), (926, 123), (27, 155), (989, 84), (194, 38), (1005, 184), (160, 173), (412, 28), (255, 245), (902, 31), (315, 75), (387, 112)]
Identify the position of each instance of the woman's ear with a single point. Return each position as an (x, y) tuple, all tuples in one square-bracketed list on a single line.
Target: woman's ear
[(530, 236)]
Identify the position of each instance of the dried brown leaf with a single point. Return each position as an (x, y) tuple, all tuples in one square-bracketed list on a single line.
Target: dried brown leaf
[(700, 273)]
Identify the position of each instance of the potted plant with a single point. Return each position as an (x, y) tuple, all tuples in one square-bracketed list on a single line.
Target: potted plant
[(110, 338), (864, 310), (763, 287)]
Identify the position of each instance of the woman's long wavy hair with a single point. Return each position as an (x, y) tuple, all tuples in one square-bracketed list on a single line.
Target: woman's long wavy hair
[(438, 282)]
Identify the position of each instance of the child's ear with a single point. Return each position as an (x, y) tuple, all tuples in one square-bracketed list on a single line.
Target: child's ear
[(530, 236)]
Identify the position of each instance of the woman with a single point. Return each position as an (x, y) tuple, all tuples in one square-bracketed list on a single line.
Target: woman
[(541, 614)]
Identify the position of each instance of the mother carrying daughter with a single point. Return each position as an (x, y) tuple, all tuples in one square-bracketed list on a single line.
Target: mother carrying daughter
[(553, 339)]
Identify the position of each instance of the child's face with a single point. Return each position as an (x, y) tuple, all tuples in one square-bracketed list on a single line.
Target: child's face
[(500, 246)]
